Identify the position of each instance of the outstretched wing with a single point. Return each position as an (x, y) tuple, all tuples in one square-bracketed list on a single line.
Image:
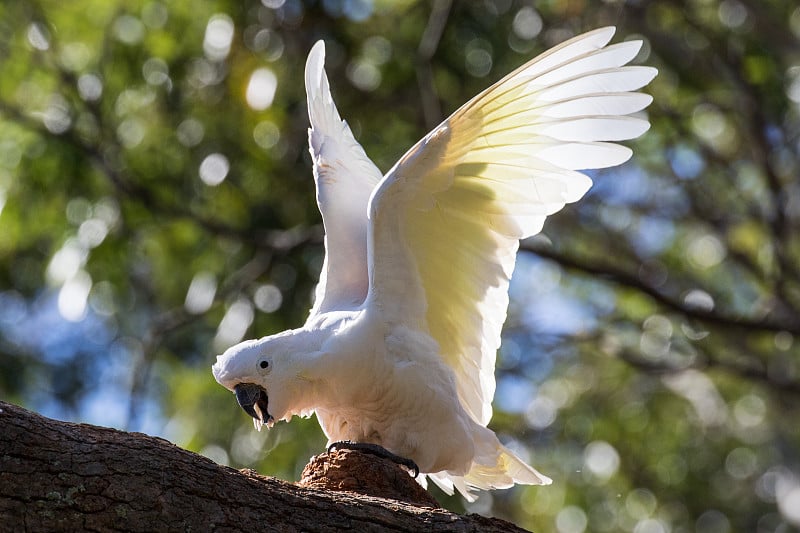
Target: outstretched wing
[(345, 178), (447, 219)]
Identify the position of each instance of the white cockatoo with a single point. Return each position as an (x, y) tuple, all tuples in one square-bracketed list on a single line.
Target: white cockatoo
[(399, 348)]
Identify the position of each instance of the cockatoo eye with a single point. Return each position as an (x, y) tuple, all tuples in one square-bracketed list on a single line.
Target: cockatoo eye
[(264, 366)]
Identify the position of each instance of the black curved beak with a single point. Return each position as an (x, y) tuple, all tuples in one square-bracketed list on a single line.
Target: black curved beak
[(254, 400)]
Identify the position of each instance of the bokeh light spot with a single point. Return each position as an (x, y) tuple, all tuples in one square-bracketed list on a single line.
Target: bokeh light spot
[(155, 71), (640, 504), (713, 521), (155, 15), (214, 169), (732, 13), (190, 132), (541, 412), (90, 87), (201, 293), (128, 29), (364, 75), (706, 251), (218, 37), (216, 454), (266, 134), (571, 519), (478, 62), (699, 299), (234, 324), (261, 89), (601, 459), (527, 23), (73, 296), (268, 298), (38, 36), (131, 132)]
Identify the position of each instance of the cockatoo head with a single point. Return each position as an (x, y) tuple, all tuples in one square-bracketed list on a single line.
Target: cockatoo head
[(260, 374)]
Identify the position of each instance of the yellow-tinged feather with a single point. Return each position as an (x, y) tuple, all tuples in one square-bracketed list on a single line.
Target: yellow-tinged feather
[(460, 200)]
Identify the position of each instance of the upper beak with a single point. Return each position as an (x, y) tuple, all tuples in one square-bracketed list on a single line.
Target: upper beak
[(255, 402)]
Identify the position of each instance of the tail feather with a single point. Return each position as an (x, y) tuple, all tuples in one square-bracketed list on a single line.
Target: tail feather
[(507, 470), (493, 468)]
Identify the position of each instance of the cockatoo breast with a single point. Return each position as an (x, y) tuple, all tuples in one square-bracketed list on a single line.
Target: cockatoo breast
[(392, 389)]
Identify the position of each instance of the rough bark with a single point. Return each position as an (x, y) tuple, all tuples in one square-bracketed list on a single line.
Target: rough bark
[(59, 476), (352, 471)]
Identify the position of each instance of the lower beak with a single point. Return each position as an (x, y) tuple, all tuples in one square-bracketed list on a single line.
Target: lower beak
[(255, 402)]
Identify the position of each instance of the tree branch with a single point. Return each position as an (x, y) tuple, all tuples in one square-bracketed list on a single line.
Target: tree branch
[(58, 476), (631, 281), (748, 372), (431, 109)]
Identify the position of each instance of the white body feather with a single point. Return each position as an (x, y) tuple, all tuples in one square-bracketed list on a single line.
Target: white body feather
[(399, 348)]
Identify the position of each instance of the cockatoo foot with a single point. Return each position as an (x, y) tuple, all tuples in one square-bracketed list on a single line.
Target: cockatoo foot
[(377, 450)]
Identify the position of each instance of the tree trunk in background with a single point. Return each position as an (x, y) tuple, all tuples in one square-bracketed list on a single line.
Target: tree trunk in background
[(58, 476)]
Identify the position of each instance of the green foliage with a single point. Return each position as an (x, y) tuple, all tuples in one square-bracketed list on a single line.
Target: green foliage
[(152, 215)]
